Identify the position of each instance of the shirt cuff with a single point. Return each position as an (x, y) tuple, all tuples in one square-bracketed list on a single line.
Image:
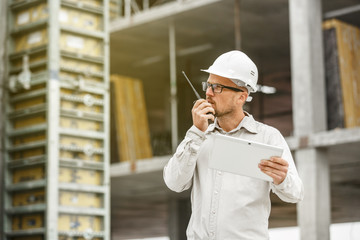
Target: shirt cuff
[(286, 184)]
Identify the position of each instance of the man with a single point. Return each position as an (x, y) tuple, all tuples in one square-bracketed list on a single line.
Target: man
[(226, 205)]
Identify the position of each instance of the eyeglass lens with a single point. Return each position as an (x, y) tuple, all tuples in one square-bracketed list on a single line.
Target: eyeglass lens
[(214, 87)]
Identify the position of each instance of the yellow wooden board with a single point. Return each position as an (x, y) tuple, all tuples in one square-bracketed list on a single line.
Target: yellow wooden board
[(348, 39), (33, 58), (28, 198), (31, 15), (28, 238), (25, 139), (29, 103), (132, 129), (80, 142), (28, 174), (80, 94), (33, 88), (80, 124), (30, 40), (80, 176), (80, 19), (74, 78), (29, 221), (29, 121), (114, 9), (81, 45), (72, 105), (88, 3), (80, 156), (67, 16), (85, 147), (80, 223), (80, 199), (85, 68), (28, 153)]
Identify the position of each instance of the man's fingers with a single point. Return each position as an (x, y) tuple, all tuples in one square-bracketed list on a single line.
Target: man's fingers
[(279, 161), (277, 171), (200, 116), (276, 168), (278, 177), (199, 102), (210, 117), (207, 110), (274, 164)]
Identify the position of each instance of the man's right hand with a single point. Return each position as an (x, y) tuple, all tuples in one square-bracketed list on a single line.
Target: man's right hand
[(201, 113)]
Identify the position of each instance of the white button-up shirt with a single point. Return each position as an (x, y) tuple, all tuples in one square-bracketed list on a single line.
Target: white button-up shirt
[(226, 205)]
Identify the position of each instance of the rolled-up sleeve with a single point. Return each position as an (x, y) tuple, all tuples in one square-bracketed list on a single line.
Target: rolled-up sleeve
[(179, 171)]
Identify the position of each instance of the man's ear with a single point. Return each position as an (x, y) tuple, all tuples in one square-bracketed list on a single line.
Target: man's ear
[(243, 96)]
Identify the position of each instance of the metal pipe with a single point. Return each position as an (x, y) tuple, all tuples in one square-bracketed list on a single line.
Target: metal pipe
[(342, 11)]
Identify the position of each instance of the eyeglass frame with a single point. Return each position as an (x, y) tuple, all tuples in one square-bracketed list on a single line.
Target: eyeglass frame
[(206, 85)]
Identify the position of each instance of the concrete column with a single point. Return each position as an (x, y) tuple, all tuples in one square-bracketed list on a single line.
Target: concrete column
[(314, 211), (179, 216), (173, 87), (309, 116)]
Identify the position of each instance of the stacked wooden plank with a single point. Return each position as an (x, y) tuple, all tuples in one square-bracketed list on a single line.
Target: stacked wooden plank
[(130, 119), (342, 58)]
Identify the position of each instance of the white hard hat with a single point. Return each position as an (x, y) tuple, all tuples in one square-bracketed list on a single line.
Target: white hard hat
[(238, 67)]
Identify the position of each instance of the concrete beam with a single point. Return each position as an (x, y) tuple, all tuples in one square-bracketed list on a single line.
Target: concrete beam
[(325, 138), (309, 116), (342, 12), (141, 166), (161, 12)]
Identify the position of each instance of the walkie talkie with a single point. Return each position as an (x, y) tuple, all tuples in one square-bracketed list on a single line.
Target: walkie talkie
[(196, 93)]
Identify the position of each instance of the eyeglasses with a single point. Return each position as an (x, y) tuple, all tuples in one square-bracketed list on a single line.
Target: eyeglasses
[(217, 88)]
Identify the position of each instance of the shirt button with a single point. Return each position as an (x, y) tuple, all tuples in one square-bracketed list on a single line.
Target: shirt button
[(216, 192), (212, 234), (219, 173), (213, 212)]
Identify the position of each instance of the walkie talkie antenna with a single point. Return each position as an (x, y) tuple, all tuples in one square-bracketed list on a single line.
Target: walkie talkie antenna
[(196, 93)]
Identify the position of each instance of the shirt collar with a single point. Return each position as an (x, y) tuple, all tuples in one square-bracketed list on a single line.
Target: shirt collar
[(248, 123)]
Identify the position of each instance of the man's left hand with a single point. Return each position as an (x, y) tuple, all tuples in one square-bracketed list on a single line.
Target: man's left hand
[(276, 168)]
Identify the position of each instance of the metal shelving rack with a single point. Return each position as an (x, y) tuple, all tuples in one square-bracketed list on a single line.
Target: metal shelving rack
[(56, 155)]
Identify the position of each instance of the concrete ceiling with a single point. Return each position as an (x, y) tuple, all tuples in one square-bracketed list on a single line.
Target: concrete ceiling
[(139, 48)]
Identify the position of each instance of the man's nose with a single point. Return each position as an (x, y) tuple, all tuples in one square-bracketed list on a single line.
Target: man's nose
[(209, 92)]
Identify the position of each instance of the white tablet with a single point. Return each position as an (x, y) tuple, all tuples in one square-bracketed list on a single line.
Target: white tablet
[(239, 156)]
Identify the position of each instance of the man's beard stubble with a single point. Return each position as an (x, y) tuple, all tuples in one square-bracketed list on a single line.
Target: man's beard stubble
[(219, 114)]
